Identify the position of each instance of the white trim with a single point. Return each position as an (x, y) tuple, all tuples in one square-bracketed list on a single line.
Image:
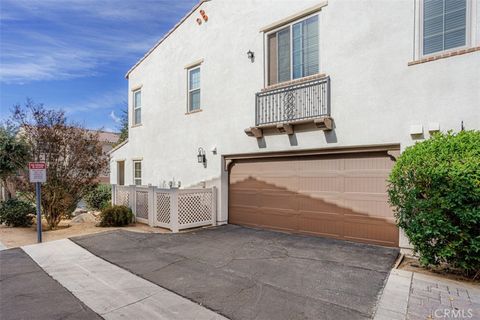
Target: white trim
[(288, 20), (135, 107), (189, 90), (194, 64), (470, 29), (141, 172)]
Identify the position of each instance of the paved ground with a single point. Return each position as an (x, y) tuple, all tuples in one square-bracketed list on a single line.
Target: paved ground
[(108, 290), (27, 292), (433, 297), (245, 273), (415, 296)]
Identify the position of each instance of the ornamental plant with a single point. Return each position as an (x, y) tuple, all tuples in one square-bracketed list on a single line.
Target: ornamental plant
[(435, 190), (116, 216), (98, 197), (16, 213)]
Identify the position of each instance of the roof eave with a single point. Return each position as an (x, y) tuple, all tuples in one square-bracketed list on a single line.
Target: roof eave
[(165, 36)]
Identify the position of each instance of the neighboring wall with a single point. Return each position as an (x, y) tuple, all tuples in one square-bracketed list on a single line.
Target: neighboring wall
[(365, 48)]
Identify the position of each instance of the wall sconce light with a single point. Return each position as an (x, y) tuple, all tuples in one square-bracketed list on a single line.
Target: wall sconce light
[(251, 55), (201, 156)]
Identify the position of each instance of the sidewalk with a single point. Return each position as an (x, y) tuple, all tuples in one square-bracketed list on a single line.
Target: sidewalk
[(108, 290), (415, 296)]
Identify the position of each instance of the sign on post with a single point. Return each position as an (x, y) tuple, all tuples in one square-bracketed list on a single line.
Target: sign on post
[(38, 174), (37, 171)]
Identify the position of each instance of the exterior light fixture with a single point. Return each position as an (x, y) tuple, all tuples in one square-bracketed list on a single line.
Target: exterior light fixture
[(201, 156), (251, 55)]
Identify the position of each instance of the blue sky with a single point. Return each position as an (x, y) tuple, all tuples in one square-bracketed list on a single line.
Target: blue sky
[(73, 54)]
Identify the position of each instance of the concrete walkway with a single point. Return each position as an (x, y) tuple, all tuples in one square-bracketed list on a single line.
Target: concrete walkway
[(27, 292), (109, 290), (415, 296)]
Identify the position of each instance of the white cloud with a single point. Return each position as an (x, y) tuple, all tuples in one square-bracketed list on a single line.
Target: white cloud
[(115, 118), (109, 100), (60, 39)]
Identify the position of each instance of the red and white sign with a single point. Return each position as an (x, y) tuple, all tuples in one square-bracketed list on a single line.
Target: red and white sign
[(37, 171)]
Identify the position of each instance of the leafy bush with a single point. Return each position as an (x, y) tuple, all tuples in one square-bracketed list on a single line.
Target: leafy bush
[(435, 189), (98, 197), (16, 213), (116, 216)]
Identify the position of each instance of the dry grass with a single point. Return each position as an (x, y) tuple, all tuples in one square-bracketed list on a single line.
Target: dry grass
[(16, 237)]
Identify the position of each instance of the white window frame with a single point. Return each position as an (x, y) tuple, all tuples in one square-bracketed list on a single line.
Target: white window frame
[(469, 30), (134, 172), (135, 107), (290, 26), (189, 90)]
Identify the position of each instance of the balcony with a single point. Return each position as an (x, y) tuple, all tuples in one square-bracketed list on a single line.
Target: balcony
[(298, 103)]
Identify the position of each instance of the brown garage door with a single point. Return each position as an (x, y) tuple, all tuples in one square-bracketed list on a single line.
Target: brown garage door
[(339, 196)]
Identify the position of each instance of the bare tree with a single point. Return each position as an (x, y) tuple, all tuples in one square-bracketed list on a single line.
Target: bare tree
[(73, 155)]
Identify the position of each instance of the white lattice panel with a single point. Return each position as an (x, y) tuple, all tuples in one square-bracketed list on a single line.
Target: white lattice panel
[(122, 197), (141, 204), (163, 207), (194, 207)]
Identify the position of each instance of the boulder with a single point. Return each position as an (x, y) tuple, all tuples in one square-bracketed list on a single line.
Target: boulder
[(84, 217)]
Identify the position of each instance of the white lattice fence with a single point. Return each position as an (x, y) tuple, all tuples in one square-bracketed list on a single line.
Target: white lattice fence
[(163, 208), (169, 208), (141, 205), (195, 208), (122, 196)]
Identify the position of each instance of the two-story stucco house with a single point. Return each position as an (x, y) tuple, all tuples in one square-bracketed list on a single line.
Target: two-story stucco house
[(297, 110)]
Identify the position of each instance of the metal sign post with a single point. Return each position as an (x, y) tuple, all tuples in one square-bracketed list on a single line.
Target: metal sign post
[(38, 174), (38, 191)]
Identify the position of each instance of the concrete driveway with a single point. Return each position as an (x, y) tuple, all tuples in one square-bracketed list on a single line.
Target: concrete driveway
[(245, 273)]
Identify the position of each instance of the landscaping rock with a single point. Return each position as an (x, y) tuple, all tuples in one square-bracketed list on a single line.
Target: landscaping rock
[(78, 211), (84, 217)]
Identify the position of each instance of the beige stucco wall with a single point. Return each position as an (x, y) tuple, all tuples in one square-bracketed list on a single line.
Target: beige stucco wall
[(365, 47)]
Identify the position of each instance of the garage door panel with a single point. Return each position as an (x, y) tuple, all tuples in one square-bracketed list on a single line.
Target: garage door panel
[(321, 183), (340, 196), (321, 223), (329, 203), (369, 231), (372, 207), (278, 200), (244, 198), (366, 183)]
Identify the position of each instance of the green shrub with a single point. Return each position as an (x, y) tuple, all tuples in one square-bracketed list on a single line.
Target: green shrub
[(116, 216), (98, 197), (435, 189), (16, 213)]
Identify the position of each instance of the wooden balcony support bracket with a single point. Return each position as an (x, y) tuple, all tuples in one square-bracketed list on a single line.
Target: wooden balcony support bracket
[(285, 128), (324, 123), (254, 132)]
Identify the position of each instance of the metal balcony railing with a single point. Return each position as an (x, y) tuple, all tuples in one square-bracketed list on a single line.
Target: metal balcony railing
[(307, 100)]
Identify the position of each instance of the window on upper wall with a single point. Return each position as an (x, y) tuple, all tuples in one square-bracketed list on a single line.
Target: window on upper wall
[(137, 107), (137, 173), (194, 89), (444, 25), (293, 51)]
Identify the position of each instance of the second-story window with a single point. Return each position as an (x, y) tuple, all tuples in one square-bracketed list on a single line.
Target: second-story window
[(137, 173), (444, 25), (194, 89), (293, 51), (137, 107)]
